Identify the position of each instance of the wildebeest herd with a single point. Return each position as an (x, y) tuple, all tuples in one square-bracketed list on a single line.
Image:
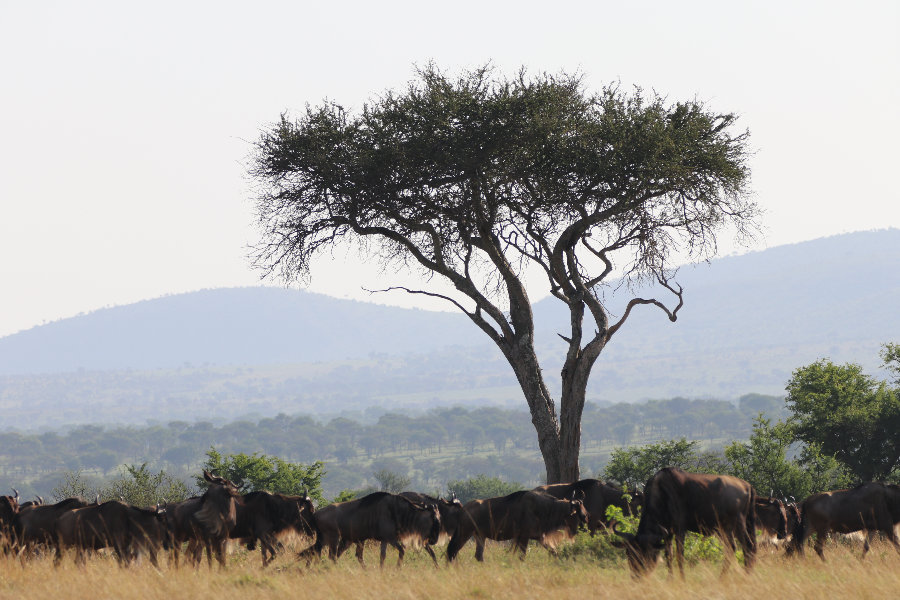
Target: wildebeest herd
[(672, 503)]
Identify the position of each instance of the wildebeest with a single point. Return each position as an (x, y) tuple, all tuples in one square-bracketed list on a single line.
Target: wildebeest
[(449, 511), (183, 528), (9, 508), (37, 524), (520, 516), (869, 507), (597, 497), (128, 530), (380, 516), (38, 501), (771, 518), (676, 502), (263, 516), (217, 516)]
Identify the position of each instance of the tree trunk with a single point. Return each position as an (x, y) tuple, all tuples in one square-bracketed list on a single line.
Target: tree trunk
[(559, 439)]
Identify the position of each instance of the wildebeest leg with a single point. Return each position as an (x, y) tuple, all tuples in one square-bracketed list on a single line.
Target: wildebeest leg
[(747, 537), (522, 546), (430, 552), (340, 546), (821, 537), (479, 548), (220, 553), (396, 544), (360, 547), (894, 538), (730, 549), (267, 543), (668, 555), (679, 553), (868, 536)]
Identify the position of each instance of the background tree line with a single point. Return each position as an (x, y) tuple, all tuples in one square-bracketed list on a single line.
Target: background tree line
[(837, 426), (433, 447)]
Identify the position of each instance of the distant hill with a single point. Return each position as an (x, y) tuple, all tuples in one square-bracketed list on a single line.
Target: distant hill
[(747, 322), (253, 325)]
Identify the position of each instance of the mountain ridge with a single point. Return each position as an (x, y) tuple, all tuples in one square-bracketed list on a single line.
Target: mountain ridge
[(825, 293)]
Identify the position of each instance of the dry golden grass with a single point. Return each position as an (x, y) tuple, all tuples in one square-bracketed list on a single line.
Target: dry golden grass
[(503, 575)]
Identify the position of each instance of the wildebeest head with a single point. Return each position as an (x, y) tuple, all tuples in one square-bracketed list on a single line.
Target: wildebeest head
[(642, 551), (778, 506), (637, 501), (165, 527), (578, 516), (217, 480), (434, 531)]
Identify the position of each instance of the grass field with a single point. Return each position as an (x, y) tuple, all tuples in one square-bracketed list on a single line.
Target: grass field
[(502, 575)]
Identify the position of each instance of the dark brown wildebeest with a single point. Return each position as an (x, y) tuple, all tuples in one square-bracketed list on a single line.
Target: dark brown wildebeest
[(869, 507), (217, 516), (771, 518), (184, 529), (520, 516), (263, 516), (128, 530), (9, 508), (37, 524), (449, 511), (792, 510), (676, 502), (597, 497), (380, 516), (38, 501)]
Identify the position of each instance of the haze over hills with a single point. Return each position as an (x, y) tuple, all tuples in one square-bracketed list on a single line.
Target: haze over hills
[(747, 321)]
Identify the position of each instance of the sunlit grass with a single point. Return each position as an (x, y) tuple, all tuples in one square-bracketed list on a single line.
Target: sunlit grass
[(502, 575)]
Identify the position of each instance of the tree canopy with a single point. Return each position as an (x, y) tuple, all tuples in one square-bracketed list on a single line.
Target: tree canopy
[(475, 178), (850, 415)]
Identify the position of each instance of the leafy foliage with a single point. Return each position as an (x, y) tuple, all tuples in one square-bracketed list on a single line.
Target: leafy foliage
[(481, 487), (260, 472), (74, 484), (633, 466), (138, 486), (389, 481), (763, 461), (848, 414), (141, 487)]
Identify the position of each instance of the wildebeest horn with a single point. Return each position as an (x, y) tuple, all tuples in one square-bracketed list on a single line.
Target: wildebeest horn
[(40, 500), (17, 494), (771, 492)]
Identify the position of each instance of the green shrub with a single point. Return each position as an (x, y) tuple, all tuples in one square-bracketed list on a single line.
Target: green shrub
[(482, 487)]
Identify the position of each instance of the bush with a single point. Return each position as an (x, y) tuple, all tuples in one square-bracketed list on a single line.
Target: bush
[(269, 473), (482, 487), (139, 486)]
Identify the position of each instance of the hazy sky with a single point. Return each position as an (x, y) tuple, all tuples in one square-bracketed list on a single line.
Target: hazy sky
[(124, 125)]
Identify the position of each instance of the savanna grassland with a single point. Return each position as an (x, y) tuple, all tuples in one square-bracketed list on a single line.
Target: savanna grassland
[(502, 575)]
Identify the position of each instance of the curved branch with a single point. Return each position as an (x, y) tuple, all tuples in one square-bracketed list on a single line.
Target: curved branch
[(475, 317), (673, 315)]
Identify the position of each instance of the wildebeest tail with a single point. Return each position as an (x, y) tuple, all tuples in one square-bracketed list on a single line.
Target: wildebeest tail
[(801, 532), (892, 498), (751, 518), (455, 545)]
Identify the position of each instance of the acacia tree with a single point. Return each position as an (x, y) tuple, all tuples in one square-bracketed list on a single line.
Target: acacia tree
[(473, 178)]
